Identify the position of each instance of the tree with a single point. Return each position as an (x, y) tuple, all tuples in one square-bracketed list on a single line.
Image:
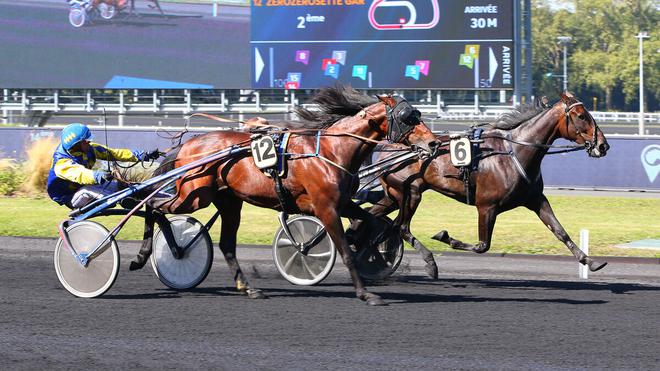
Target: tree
[(603, 53)]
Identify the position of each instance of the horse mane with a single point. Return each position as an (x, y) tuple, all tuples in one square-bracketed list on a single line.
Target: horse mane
[(516, 117), (334, 103)]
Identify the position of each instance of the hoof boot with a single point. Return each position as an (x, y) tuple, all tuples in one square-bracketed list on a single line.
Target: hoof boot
[(596, 266), (431, 270), (255, 294), (136, 265), (441, 236)]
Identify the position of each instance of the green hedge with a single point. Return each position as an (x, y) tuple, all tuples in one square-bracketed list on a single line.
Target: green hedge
[(11, 179)]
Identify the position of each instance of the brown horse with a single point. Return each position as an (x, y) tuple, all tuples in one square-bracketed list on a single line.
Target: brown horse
[(350, 124), (121, 4), (508, 175)]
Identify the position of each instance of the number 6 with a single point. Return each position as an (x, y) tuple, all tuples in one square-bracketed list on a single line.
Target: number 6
[(460, 152)]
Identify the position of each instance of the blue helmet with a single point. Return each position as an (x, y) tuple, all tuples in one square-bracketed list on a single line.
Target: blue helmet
[(73, 134)]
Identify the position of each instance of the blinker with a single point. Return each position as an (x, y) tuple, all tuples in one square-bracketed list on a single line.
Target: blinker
[(409, 115)]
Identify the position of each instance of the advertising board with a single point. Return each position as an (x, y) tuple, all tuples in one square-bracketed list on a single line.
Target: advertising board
[(632, 163)]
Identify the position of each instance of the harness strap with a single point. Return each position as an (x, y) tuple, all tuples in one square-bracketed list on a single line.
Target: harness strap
[(283, 194), (317, 154), (516, 162), (529, 144)]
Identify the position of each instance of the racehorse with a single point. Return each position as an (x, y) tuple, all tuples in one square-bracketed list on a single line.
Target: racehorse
[(121, 4), (327, 150), (508, 175), (156, 5)]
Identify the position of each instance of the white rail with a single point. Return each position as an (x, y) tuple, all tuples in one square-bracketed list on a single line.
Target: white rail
[(241, 101)]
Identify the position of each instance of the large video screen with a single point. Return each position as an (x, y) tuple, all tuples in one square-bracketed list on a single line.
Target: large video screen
[(382, 43), (192, 44), (103, 44)]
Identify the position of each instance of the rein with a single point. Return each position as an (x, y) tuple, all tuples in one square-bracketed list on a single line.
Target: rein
[(318, 133), (569, 148), (566, 148)]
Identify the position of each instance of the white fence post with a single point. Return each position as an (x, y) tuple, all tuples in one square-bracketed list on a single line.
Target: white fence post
[(583, 269), (215, 8)]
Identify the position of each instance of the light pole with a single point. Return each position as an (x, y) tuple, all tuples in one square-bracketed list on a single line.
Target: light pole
[(565, 40), (641, 36)]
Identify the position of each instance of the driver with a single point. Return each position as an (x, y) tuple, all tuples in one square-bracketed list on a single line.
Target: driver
[(71, 180)]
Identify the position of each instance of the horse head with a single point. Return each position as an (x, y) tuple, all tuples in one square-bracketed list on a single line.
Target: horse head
[(404, 124), (579, 126)]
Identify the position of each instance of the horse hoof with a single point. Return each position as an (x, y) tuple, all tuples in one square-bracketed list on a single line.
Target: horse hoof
[(441, 236), (376, 301), (596, 266), (255, 294), (369, 298), (432, 270), (135, 265)]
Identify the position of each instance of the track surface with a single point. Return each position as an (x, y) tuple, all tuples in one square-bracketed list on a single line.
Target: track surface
[(483, 313), (41, 49)]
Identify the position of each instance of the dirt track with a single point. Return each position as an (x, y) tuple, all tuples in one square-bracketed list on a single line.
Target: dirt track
[(483, 313)]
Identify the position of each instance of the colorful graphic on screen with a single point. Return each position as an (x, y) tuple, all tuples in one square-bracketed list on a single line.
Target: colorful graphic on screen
[(384, 43)]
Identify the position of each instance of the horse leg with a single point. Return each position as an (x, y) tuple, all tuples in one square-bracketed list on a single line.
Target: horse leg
[(157, 3), (131, 10), (152, 216), (147, 240), (230, 213), (487, 217), (381, 208), (403, 219), (359, 215), (332, 223), (541, 207)]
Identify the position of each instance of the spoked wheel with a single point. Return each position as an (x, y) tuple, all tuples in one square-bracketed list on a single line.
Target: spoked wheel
[(304, 267), (99, 275), (382, 261), (77, 16), (190, 270), (107, 11)]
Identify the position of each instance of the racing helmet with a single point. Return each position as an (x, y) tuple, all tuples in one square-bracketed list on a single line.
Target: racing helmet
[(73, 134)]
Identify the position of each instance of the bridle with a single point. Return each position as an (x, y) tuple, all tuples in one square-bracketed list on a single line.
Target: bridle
[(401, 119), (590, 142)]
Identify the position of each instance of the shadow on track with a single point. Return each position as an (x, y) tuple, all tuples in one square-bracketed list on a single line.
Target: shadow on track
[(394, 296), (166, 293), (615, 288), (142, 20), (410, 298)]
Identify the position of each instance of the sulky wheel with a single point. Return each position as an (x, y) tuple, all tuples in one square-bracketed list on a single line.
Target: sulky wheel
[(194, 266), (381, 262), (304, 265), (77, 16), (107, 11), (98, 276)]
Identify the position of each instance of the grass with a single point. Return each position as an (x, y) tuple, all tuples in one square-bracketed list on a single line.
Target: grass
[(610, 221)]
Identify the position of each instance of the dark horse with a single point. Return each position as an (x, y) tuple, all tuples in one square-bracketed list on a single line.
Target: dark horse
[(156, 4), (508, 175), (350, 125)]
